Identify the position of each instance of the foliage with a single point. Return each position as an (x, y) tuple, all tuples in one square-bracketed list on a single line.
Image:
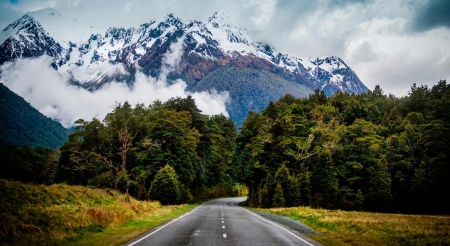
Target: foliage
[(165, 187), (132, 148), (369, 151), (25, 164), (23, 125)]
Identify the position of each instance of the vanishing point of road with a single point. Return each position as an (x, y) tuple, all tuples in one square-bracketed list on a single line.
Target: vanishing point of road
[(221, 222)]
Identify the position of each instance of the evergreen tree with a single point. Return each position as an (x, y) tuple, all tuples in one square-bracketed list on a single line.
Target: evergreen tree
[(305, 188), (324, 181), (359, 201), (278, 197)]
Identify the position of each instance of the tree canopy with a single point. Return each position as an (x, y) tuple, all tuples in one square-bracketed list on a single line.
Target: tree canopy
[(369, 151)]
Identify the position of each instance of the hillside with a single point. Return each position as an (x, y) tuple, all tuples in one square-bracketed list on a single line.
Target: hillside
[(250, 89), (23, 125)]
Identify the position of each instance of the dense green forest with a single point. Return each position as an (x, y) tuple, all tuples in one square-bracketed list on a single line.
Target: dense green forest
[(369, 151), (23, 125), (166, 151)]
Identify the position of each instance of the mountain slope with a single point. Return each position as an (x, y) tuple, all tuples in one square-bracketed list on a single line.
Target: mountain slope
[(22, 125), (91, 59), (249, 89)]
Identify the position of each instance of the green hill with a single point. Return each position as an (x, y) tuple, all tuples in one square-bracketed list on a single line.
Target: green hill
[(23, 125), (250, 89)]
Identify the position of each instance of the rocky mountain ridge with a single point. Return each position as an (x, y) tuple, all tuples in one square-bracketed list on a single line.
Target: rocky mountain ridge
[(90, 56)]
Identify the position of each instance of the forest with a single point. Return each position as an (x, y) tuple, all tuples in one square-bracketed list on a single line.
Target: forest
[(23, 125), (371, 152)]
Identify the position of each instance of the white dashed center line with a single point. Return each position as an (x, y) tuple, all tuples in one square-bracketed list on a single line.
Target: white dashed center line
[(223, 227)]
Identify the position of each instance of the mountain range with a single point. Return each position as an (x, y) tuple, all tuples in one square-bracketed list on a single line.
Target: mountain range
[(216, 54)]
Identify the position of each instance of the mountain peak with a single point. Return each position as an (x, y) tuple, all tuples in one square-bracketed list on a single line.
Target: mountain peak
[(61, 28), (46, 11), (171, 19), (220, 15), (220, 18)]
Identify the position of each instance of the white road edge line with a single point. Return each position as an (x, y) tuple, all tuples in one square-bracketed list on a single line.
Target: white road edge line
[(278, 226), (182, 216)]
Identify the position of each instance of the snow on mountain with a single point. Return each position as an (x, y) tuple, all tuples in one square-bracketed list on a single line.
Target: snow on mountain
[(62, 29), (87, 53)]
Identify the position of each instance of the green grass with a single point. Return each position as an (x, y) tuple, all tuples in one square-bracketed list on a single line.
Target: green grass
[(63, 214), (120, 234), (363, 228)]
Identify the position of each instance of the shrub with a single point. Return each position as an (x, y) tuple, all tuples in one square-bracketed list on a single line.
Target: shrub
[(165, 187)]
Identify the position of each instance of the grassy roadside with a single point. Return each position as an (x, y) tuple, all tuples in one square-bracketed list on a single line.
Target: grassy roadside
[(364, 228), (120, 234), (63, 214)]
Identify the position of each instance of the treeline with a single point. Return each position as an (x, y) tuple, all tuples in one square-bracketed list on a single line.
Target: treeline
[(167, 151), (369, 151), (24, 164)]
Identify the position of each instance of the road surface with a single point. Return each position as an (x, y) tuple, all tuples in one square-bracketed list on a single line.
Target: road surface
[(221, 222)]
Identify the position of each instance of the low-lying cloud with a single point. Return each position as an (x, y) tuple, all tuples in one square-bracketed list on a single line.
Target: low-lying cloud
[(51, 93)]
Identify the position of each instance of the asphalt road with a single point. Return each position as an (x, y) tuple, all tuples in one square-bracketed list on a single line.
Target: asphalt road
[(221, 222)]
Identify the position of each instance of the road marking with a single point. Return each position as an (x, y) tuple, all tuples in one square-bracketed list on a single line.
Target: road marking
[(224, 235), (223, 227), (278, 226), (223, 221), (182, 216)]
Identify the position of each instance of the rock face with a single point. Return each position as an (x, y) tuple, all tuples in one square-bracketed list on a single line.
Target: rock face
[(210, 50)]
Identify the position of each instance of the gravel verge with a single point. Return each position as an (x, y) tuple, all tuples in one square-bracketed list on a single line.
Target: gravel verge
[(288, 222)]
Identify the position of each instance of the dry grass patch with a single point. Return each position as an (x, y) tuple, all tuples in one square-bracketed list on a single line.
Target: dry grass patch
[(363, 228), (42, 215)]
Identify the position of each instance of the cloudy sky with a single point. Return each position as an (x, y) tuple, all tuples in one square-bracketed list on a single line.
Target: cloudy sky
[(393, 43)]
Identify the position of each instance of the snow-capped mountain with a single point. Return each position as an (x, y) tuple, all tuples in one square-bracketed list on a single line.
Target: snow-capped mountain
[(209, 49)]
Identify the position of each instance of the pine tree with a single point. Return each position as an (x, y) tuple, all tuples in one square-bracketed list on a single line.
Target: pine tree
[(294, 192), (359, 201), (305, 188), (265, 193), (278, 197)]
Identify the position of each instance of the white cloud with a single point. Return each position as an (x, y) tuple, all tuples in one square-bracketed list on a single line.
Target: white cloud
[(266, 9), (383, 52), (172, 58), (50, 92), (96, 70), (376, 38)]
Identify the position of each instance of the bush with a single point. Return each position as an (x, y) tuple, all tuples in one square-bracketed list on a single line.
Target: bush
[(165, 187)]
